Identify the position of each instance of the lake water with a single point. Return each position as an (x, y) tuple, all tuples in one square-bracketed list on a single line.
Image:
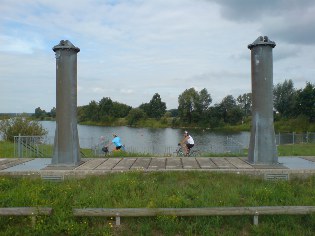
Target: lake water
[(162, 140)]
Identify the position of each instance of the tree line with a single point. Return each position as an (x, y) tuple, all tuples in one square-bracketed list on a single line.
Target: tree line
[(195, 108)]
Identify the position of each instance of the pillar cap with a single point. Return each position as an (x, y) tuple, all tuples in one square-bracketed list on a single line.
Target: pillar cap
[(262, 41), (65, 45)]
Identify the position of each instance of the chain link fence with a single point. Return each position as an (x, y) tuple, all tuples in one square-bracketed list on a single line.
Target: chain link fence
[(295, 138)]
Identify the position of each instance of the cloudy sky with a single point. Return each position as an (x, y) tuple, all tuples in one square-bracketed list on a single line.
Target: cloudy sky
[(132, 49)]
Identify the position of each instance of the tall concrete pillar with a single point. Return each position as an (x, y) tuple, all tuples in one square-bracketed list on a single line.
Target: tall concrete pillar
[(66, 147), (262, 146)]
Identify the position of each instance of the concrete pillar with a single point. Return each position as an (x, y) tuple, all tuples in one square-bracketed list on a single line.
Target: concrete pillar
[(66, 147), (262, 146)]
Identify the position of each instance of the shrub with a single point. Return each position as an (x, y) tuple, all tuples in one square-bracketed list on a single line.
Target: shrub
[(20, 126)]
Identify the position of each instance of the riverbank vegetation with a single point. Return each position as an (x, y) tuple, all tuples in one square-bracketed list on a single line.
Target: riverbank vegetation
[(20, 126), (294, 111), (189, 189)]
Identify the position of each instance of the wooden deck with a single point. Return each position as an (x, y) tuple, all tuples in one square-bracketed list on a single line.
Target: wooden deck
[(146, 163), (161, 163), (99, 166)]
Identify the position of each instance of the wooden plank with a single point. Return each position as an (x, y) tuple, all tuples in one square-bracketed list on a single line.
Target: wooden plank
[(3, 161), (13, 162), (174, 163), (25, 211), (91, 164), (238, 163), (309, 158), (157, 163), (205, 163), (109, 164), (125, 164), (264, 210), (221, 163), (190, 163), (141, 164)]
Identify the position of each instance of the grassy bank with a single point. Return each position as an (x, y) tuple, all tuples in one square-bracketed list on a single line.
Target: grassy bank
[(149, 190), (303, 149)]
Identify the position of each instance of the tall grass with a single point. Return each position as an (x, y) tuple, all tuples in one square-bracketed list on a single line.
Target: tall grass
[(149, 190), (6, 149)]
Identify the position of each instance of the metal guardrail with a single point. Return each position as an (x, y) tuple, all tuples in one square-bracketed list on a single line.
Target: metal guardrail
[(147, 212), (208, 211), (31, 146), (26, 211)]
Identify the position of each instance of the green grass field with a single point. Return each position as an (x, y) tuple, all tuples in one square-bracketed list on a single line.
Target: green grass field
[(150, 190)]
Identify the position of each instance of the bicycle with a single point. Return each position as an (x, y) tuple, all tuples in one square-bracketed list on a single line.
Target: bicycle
[(107, 152), (192, 153)]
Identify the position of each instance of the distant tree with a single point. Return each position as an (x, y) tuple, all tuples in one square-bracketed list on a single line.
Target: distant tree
[(235, 115), (192, 106), (204, 100), (157, 108), (168, 114), (120, 110), (305, 102), (245, 103), (82, 113), (39, 113), (214, 117), (145, 107), (105, 106), (20, 126), (186, 104), (203, 106), (92, 111), (53, 112), (231, 113), (135, 115), (174, 112), (284, 98)]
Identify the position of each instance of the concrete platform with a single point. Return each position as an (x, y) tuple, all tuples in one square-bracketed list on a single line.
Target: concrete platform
[(288, 167)]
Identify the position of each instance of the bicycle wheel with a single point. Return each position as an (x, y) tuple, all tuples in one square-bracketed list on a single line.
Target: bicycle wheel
[(180, 153), (195, 153)]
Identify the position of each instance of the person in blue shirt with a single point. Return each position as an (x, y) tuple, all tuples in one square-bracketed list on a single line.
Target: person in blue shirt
[(117, 142)]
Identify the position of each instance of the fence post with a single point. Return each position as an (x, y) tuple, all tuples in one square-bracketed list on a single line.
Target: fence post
[(92, 142), (19, 146), (293, 137), (279, 139), (255, 219)]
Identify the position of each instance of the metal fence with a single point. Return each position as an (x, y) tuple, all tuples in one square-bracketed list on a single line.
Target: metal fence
[(295, 138), (42, 146), (32, 146)]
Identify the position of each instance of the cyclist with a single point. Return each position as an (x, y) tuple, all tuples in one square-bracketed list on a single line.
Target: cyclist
[(187, 143), (116, 141)]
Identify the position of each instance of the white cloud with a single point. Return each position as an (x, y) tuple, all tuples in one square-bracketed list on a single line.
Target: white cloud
[(133, 49), (127, 91), (18, 45)]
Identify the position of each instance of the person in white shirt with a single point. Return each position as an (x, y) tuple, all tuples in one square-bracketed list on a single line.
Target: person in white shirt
[(187, 143)]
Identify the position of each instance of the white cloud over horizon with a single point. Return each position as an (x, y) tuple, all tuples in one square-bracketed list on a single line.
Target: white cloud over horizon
[(130, 50)]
